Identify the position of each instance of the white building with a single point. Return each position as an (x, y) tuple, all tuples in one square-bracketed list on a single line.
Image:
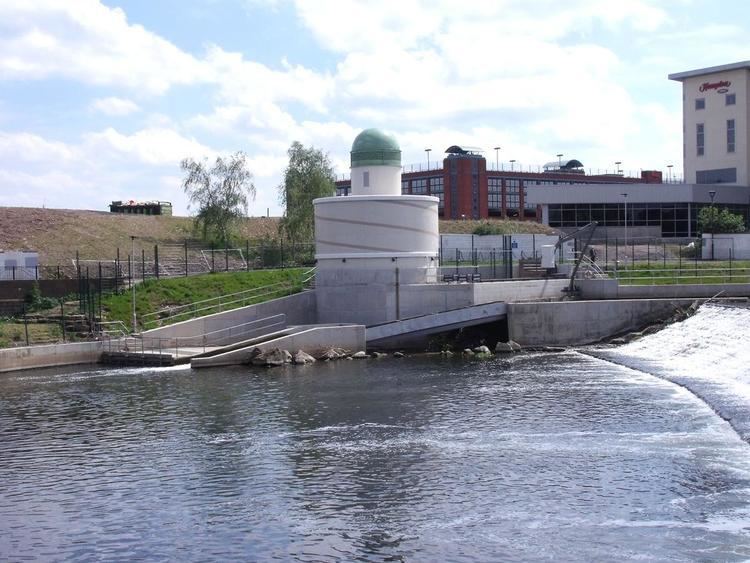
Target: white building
[(18, 265), (373, 240), (715, 116)]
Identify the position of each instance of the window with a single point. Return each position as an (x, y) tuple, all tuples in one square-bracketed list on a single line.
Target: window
[(699, 139), (343, 190), (512, 197), (366, 179), (419, 186), (730, 135), (437, 189), (700, 103), (404, 187), (494, 193), (731, 99)]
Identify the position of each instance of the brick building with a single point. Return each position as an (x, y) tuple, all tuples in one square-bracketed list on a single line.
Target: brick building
[(467, 189)]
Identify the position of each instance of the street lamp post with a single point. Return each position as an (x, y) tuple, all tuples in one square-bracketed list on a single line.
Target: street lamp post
[(712, 195), (559, 161), (512, 160), (497, 158), (428, 157), (625, 195), (669, 172), (132, 278), (618, 166)]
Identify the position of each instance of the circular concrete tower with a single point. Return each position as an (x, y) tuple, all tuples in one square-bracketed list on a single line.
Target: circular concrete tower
[(374, 240)]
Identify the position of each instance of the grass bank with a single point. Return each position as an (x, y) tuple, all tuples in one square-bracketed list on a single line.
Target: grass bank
[(209, 293), (13, 333), (708, 272)]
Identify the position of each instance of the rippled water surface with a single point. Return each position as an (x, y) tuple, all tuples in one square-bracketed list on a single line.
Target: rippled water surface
[(559, 457)]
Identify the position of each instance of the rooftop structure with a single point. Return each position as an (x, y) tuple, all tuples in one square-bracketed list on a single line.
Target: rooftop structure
[(141, 207)]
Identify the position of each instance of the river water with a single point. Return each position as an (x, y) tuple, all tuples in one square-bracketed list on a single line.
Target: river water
[(563, 457)]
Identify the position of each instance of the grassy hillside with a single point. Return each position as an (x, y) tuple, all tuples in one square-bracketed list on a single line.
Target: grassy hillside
[(154, 295), (503, 226), (57, 233)]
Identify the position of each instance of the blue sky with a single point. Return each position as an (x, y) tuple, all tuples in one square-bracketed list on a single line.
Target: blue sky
[(101, 100)]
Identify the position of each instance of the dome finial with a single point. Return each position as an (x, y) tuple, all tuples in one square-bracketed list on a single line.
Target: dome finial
[(373, 147)]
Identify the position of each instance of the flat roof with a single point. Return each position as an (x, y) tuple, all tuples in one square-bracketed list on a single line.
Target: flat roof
[(680, 76), (726, 194)]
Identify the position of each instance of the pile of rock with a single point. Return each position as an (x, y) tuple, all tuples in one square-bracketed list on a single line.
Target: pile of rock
[(279, 357), (484, 352)]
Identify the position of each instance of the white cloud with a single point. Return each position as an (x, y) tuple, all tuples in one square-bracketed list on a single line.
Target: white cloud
[(147, 146), (114, 106), (27, 147), (91, 43)]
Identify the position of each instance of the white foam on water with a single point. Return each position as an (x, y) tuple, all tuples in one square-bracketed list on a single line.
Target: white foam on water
[(708, 353)]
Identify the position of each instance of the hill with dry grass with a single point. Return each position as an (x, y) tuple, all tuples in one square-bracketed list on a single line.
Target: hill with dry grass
[(56, 234)]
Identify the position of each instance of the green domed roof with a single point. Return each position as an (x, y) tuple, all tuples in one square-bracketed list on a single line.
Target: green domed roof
[(372, 147)]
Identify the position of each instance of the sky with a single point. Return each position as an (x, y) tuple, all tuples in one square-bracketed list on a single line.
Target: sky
[(101, 100)]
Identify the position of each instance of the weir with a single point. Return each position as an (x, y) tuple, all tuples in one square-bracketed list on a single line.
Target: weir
[(707, 354)]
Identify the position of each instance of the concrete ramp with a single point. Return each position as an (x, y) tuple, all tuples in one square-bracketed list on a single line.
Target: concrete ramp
[(310, 338), (436, 323)]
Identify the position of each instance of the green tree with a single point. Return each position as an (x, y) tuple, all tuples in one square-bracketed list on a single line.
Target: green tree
[(308, 176), (715, 220), (220, 193)]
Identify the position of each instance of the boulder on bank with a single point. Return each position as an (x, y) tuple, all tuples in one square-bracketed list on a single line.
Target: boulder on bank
[(507, 347), (482, 350), (333, 354), (360, 355), (301, 357), (274, 357), (398, 354), (468, 352)]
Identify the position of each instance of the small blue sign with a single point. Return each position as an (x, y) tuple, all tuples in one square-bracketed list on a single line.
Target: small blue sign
[(514, 244)]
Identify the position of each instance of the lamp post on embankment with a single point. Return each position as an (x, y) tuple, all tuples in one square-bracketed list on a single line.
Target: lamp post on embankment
[(712, 195), (132, 279)]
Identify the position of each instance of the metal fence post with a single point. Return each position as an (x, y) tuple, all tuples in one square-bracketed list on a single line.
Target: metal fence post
[(247, 255), (25, 324), (62, 318), (143, 264), (226, 257), (213, 259), (186, 259), (156, 260)]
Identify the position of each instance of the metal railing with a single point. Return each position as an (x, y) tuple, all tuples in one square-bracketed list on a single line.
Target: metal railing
[(143, 344), (217, 304)]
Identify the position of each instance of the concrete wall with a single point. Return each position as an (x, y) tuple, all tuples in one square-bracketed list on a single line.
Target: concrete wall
[(314, 340), (726, 246), (513, 291), (611, 289), (28, 357), (299, 309), (574, 323), (377, 303)]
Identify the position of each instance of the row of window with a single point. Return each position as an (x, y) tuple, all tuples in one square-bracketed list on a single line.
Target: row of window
[(700, 137), (674, 219), (729, 100)]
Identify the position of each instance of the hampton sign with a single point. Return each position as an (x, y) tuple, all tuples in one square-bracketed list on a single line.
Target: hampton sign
[(722, 86)]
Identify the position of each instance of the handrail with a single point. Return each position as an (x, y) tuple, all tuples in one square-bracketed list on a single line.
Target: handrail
[(174, 343), (213, 302)]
